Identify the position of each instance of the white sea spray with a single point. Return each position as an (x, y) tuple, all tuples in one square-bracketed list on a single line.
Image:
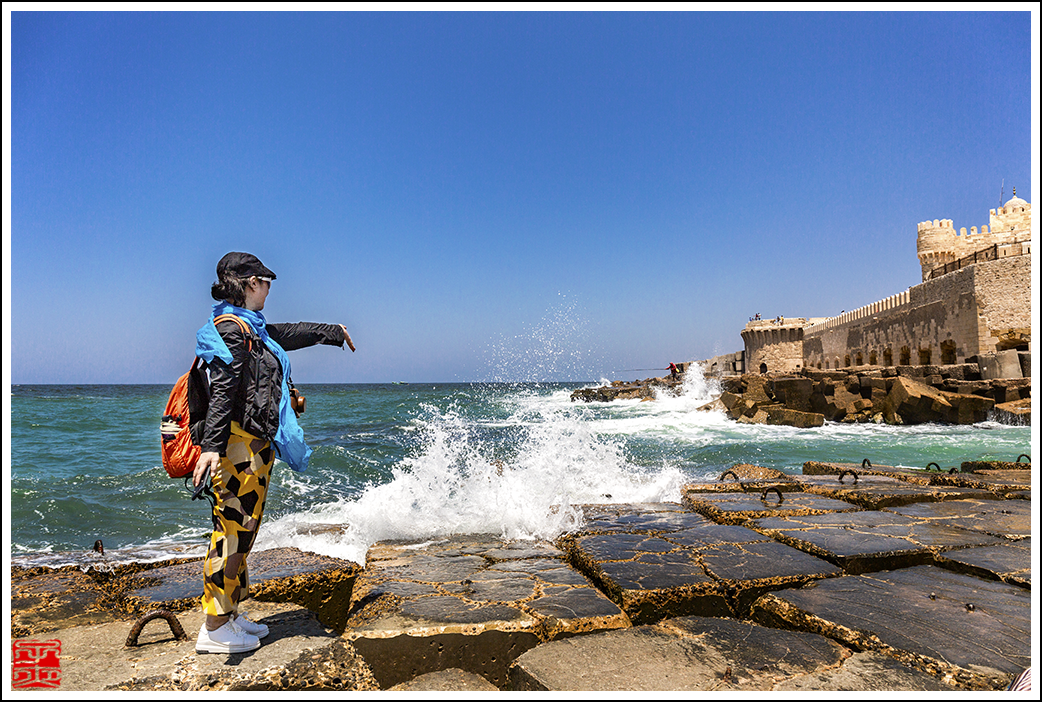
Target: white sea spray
[(457, 484)]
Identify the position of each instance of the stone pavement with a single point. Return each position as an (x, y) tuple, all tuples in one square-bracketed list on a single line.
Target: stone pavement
[(848, 577)]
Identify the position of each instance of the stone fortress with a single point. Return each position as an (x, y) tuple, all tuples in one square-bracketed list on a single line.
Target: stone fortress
[(973, 305)]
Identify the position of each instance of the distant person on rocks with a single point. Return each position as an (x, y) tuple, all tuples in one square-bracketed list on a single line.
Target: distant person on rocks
[(674, 371), (250, 421)]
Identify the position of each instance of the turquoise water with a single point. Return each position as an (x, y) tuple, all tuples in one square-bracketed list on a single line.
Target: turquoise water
[(412, 461)]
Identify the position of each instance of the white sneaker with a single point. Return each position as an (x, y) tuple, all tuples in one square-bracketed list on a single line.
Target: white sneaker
[(229, 638), (249, 626)]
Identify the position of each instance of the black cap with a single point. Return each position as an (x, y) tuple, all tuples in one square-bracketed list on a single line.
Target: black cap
[(242, 265)]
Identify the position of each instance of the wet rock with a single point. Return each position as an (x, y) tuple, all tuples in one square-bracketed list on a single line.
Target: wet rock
[(318, 583), (695, 653), (735, 508), (879, 491), (473, 603), (921, 616), (870, 541), (866, 672), (1017, 412), (450, 680), (1009, 562), (1009, 519), (991, 467), (685, 565), (921, 477), (43, 600)]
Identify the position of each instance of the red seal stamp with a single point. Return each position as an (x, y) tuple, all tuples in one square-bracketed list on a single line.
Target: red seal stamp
[(36, 664)]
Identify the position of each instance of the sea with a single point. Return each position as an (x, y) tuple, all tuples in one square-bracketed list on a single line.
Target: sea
[(416, 461)]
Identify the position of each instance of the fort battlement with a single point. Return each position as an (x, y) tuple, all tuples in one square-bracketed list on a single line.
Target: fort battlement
[(869, 310), (939, 245), (974, 301)]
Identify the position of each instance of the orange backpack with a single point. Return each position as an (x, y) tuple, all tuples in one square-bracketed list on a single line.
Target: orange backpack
[(185, 413)]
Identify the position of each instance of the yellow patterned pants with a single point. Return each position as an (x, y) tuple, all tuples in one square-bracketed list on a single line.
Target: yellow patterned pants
[(240, 487)]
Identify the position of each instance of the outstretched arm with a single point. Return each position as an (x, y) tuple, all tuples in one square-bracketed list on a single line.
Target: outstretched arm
[(300, 335)]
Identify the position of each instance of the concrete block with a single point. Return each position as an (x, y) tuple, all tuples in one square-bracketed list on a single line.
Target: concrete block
[(972, 632), (1001, 364), (871, 541), (471, 602), (710, 655)]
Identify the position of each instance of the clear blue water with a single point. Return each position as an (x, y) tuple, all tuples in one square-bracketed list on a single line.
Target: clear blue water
[(412, 461)]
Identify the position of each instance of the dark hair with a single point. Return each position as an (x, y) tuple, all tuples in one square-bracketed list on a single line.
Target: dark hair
[(230, 288)]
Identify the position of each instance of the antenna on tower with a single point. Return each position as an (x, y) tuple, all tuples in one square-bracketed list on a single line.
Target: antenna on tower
[(1002, 191)]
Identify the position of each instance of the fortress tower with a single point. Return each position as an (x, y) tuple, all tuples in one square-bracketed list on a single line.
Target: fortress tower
[(938, 244)]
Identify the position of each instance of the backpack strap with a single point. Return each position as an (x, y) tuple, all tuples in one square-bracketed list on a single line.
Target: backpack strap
[(242, 325)]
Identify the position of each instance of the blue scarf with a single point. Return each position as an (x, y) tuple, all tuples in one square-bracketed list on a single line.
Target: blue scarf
[(289, 439)]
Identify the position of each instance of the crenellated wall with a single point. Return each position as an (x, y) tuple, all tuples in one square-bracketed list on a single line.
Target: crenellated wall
[(975, 310), (774, 344), (979, 304), (937, 243)]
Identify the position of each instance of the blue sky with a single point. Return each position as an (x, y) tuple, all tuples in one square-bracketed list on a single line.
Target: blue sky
[(489, 196)]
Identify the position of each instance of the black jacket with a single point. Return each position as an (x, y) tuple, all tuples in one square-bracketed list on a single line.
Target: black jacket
[(249, 390)]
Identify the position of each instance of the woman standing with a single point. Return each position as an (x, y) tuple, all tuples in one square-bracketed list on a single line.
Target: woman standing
[(250, 421)]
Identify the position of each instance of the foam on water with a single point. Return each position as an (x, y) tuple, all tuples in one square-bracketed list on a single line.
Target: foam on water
[(457, 484)]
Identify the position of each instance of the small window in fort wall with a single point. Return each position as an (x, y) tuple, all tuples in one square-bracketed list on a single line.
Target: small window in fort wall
[(906, 356), (837, 366), (819, 365), (872, 358), (924, 357), (763, 367), (948, 352), (826, 365), (846, 361), (860, 359), (888, 358)]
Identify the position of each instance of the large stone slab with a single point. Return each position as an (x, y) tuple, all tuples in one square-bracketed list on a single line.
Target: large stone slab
[(451, 680), (319, 583), (878, 491), (1009, 562), (686, 564), (973, 633), (473, 603), (868, 541), (865, 468), (1010, 519), (704, 654), (735, 508), (44, 600), (999, 482), (299, 654)]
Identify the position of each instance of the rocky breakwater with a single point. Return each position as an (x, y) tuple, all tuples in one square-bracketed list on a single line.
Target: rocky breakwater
[(952, 394), (629, 390), (845, 577)]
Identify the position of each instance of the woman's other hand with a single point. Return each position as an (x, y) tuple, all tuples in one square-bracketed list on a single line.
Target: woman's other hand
[(208, 461), (347, 338)]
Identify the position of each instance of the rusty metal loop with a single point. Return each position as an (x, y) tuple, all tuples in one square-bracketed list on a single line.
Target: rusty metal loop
[(866, 464), (763, 496), (848, 470), (953, 470), (736, 478), (931, 463), (1023, 455), (175, 626)]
